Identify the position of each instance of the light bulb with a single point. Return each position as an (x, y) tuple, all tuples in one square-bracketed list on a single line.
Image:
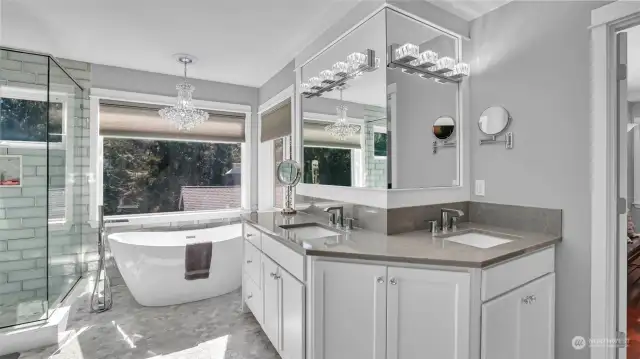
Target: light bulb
[(407, 52)]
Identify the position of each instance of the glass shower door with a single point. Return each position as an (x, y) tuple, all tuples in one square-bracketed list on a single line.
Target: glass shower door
[(43, 206), (24, 111)]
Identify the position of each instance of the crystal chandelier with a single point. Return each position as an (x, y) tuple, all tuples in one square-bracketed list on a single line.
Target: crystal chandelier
[(183, 114), (341, 129)]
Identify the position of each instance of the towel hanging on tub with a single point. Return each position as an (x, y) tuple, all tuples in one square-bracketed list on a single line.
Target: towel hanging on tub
[(197, 260)]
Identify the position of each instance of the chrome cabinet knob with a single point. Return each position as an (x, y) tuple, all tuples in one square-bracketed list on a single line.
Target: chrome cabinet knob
[(249, 235), (276, 276), (380, 280), (249, 296), (272, 275), (249, 261), (393, 281)]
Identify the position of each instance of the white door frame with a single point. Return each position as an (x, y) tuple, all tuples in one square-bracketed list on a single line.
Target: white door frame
[(604, 218)]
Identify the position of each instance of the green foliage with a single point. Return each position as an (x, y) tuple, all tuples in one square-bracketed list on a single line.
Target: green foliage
[(25, 120), (380, 144), (146, 176), (334, 164)]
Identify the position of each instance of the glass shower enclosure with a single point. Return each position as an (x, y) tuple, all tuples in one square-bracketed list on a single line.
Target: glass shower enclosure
[(44, 207)]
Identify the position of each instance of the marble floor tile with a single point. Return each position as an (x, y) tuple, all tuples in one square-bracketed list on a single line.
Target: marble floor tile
[(210, 329)]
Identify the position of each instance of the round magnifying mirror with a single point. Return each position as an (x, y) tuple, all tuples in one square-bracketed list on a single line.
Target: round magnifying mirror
[(289, 173), (494, 120), (444, 127)]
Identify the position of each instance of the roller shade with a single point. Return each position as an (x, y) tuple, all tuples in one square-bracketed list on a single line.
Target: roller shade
[(276, 123), (316, 136), (123, 119)]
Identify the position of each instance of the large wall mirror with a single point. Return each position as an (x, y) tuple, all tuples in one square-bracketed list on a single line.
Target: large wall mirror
[(352, 160), (384, 117), (416, 104)]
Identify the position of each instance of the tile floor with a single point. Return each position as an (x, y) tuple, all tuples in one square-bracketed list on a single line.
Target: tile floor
[(210, 329)]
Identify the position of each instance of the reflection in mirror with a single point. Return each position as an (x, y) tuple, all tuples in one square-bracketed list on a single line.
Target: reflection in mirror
[(494, 120), (414, 103), (444, 127), (359, 158)]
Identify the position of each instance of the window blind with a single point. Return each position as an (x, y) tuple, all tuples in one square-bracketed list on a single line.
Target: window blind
[(124, 119), (276, 123), (315, 135)]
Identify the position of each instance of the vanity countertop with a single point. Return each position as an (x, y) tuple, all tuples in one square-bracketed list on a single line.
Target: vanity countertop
[(413, 247)]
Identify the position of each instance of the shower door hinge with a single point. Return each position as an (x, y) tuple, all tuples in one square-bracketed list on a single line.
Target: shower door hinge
[(622, 206), (622, 72)]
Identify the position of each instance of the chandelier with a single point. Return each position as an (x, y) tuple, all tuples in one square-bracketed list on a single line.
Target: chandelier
[(341, 129), (183, 114)]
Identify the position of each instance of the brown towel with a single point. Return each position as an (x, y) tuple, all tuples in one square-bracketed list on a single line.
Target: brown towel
[(197, 260)]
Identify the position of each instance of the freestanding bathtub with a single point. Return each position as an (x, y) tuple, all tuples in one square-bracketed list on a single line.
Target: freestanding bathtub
[(152, 264)]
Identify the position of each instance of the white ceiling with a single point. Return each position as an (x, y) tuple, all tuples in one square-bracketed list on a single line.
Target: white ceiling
[(469, 9), (242, 42), (236, 41)]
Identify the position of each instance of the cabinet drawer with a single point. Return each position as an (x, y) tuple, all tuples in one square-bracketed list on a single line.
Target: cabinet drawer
[(253, 235), (505, 277), (253, 299), (286, 258), (252, 263)]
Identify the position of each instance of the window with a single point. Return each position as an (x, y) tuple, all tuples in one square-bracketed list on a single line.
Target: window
[(149, 167), (380, 144), (157, 176), (328, 166), (28, 121), (24, 114)]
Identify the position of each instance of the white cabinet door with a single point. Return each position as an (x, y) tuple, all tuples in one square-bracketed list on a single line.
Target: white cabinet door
[(292, 306), (271, 302), (521, 323), (348, 311), (427, 314)]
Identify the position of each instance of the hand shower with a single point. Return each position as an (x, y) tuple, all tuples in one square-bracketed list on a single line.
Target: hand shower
[(101, 298)]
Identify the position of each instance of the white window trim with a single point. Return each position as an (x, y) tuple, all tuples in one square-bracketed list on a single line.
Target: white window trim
[(266, 163), (96, 155), (66, 96)]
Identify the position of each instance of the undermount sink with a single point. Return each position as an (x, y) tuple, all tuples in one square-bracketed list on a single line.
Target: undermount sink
[(477, 239), (310, 230)]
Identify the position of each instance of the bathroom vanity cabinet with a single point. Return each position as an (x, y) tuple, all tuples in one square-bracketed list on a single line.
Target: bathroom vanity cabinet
[(324, 307)]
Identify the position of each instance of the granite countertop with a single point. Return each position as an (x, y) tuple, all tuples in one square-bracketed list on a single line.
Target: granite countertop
[(413, 247)]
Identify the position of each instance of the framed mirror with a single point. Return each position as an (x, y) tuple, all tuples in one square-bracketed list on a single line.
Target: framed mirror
[(444, 127), (494, 120)]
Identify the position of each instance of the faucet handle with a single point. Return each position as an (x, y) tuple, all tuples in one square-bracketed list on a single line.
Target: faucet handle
[(433, 226), (454, 222), (348, 225)]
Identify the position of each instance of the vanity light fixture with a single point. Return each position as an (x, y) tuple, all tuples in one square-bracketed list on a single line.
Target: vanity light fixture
[(341, 72), (426, 64)]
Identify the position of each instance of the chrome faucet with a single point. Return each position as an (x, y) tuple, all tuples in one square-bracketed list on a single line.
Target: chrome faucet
[(450, 223), (336, 219)]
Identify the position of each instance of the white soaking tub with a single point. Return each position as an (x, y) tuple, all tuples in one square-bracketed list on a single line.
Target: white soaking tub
[(152, 264)]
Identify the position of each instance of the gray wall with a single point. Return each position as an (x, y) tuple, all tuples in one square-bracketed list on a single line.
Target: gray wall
[(280, 81), (117, 78), (533, 59)]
